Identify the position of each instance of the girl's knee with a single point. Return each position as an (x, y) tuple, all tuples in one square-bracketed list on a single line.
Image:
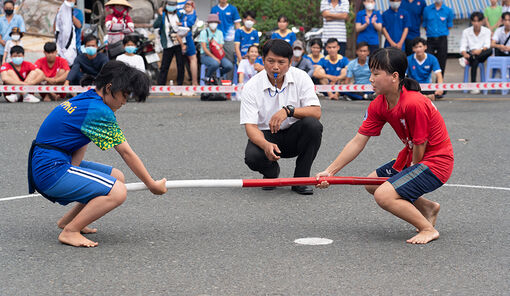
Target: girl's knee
[(372, 188), (118, 174), (118, 194)]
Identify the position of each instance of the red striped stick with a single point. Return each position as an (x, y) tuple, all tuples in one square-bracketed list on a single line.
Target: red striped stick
[(313, 181)]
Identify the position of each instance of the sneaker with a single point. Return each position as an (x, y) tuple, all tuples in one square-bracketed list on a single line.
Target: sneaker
[(30, 99), (462, 62), (12, 98), (474, 91)]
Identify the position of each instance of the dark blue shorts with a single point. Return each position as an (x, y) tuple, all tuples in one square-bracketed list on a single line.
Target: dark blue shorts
[(190, 46), (411, 182)]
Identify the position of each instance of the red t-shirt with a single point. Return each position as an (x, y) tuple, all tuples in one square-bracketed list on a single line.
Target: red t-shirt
[(416, 121), (60, 63), (26, 67)]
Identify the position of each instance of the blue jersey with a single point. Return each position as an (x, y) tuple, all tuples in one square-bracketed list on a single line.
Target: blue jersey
[(370, 34), (289, 36), (314, 62), (228, 16), (436, 22), (188, 20), (415, 11), (70, 126), (333, 68), (395, 22), (360, 73), (422, 71), (246, 39), (79, 15)]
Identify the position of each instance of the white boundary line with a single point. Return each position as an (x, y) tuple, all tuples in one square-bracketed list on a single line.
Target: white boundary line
[(232, 183)]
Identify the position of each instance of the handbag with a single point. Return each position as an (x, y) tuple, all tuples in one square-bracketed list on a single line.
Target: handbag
[(215, 47)]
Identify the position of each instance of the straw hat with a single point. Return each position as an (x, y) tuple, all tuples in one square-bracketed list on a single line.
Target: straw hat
[(118, 2)]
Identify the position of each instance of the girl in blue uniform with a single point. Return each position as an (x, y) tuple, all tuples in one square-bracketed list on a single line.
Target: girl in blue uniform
[(56, 168)]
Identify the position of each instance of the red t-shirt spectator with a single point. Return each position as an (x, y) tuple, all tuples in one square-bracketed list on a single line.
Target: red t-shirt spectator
[(416, 121), (60, 63), (26, 67)]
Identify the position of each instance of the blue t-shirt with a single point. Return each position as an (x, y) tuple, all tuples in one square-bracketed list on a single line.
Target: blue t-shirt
[(370, 34), (228, 16), (259, 61), (310, 57), (436, 22), (361, 73), (422, 72), (415, 11), (188, 20), (70, 126), (333, 68), (290, 37), (395, 22), (79, 15), (246, 39)]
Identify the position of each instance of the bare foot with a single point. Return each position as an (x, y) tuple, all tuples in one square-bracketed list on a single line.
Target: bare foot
[(75, 239), (85, 230), (46, 98), (424, 236), (430, 213)]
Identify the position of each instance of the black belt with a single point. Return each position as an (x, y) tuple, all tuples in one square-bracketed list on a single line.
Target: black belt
[(31, 184)]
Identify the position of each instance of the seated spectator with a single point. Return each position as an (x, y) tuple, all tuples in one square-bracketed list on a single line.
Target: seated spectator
[(283, 31), (395, 25), (315, 54), (500, 39), (52, 70), (130, 57), (332, 69), (299, 61), (16, 35), (358, 71), (475, 45), (90, 62), (118, 22), (421, 65), (368, 24), (492, 15), (246, 36), (246, 69), (505, 6), (19, 72), (212, 62)]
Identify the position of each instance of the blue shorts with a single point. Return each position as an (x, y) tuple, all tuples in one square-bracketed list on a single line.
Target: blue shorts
[(190, 46), (83, 183), (411, 182)]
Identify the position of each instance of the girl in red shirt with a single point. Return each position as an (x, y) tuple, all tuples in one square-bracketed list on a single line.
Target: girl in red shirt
[(425, 163)]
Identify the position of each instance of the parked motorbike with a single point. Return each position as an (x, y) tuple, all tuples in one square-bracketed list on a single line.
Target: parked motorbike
[(145, 48)]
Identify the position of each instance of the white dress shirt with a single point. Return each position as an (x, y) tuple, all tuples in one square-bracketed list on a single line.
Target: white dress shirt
[(470, 41), (260, 100)]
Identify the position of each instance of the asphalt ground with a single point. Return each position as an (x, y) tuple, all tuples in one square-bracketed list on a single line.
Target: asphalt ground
[(240, 241)]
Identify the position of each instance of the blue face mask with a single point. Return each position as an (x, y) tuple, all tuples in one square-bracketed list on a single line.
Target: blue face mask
[(17, 60), (171, 8), (130, 49), (90, 50)]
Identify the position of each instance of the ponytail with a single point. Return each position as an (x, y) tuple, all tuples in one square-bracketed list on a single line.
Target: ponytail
[(410, 84)]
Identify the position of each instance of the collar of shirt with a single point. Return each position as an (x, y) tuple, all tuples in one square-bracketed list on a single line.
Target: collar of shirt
[(287, 79)]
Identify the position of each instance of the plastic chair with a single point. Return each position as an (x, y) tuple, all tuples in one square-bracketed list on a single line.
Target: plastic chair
[(500, 64), (467, 73), (202, 74)]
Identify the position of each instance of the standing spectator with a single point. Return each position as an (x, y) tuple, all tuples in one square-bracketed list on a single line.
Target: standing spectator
[(168, 24), (7, 22), (395, 25), (118, 22), (358, 71), (207, 57), (505, 6), (283, 31), (78, 20), (437, 21), (299, 61), (64, 32), (475, 45), (19, 72), (52, 70), (368, 24), (420, 66), (415, 10), (335, 13), (332, 68), (188, 19), (246, 69), (492, 15), (230, 21), (88, 63), (16, 35), (246, 36), (500, 39), (130, 57)]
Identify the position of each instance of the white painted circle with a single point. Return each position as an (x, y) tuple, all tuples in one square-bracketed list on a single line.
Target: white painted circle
[(313, 241)]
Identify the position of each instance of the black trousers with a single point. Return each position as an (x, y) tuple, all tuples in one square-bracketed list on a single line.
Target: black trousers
[(302, 139), (409, 47), (168, 55), (438, 46), (475, 60)]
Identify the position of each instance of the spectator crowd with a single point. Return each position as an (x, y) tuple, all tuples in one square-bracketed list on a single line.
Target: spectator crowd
[(229, 45)]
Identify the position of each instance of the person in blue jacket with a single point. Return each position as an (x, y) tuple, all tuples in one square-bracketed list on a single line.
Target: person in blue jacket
[(88, 63)]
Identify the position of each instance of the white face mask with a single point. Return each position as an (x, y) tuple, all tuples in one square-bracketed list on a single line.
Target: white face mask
[(69, 4), (370, 6), (213, 26), (249, 24), (297, 53), (15, 37), (395, 5)]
